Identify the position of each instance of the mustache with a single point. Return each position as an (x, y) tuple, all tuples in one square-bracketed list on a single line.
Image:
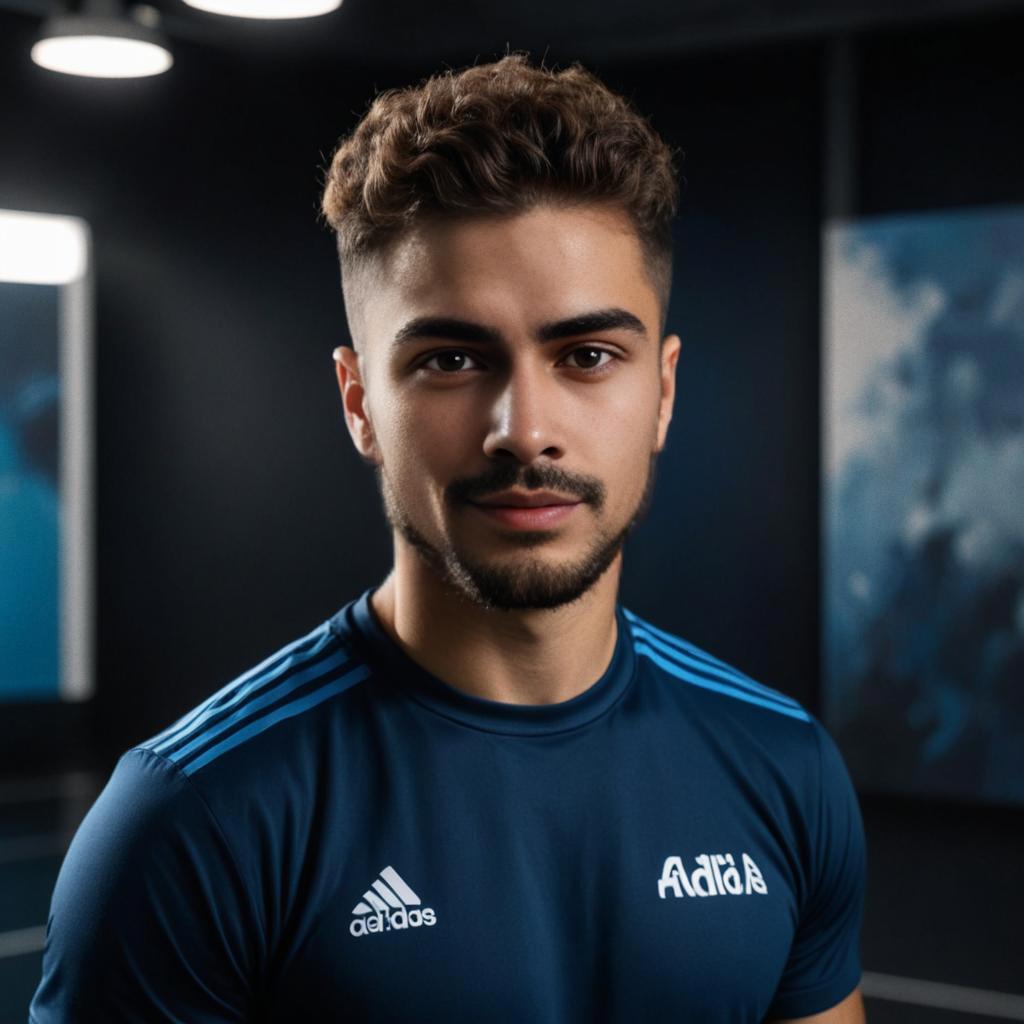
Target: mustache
[(532, 478)]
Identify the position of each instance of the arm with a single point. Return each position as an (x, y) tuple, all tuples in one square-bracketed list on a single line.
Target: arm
[(849, 1011), (821, 979), (150, 919)]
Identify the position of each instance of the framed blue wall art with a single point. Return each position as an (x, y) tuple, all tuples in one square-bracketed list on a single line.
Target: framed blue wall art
[(46, 457), (923, 495)]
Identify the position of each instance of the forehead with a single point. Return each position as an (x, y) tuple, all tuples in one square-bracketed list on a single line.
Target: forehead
[(536, 266)]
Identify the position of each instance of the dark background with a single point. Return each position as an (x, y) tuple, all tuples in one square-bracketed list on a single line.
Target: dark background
[(233, 512)]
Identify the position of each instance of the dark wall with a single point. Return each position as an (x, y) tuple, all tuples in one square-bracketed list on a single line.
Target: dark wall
[(233, 512)]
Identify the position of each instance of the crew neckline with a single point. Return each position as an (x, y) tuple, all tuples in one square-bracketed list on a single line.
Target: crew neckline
[(478, 712)]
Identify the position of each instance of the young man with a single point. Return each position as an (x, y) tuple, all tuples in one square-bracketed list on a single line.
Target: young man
[(483, 790)]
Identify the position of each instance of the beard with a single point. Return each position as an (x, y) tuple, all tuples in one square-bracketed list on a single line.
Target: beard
[(525, 582)]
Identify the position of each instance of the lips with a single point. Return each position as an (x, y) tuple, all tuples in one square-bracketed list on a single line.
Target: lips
[(535, 517), (519, 499)]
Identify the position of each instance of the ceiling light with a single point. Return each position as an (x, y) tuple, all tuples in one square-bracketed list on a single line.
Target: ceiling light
[(101, 42), (266, 8)]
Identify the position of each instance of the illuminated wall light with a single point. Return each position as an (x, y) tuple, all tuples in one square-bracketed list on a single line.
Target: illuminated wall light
[(41, 248), (267, 8), (101, 42)]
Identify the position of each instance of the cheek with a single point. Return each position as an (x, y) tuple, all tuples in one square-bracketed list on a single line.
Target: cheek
[(628, 434), (419, 445), (621, 422)]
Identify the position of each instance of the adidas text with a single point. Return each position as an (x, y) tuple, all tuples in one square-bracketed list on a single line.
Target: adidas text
[(385, 921), (716, 874), (389, 905)]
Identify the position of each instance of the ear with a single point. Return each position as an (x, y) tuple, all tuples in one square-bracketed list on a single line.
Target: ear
[(349, 371), (669, 356)]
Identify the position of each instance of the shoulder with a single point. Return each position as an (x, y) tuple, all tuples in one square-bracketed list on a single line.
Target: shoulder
[(763, 732), (765, 737), (143, 795), (148, 894), (271, 711), (682, 664)]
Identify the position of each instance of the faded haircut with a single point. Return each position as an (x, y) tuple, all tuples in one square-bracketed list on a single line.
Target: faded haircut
[(498, 138)]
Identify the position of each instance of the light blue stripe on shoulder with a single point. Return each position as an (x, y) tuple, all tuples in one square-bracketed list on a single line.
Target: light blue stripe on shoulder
[(191, 715), (681, 644), (703, 668), (684, 645), (296, 707), (673, 668), (239, 689), (338, 660)]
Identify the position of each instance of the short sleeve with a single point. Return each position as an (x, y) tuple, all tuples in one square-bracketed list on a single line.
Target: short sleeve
[(824, 961), (149, 919)]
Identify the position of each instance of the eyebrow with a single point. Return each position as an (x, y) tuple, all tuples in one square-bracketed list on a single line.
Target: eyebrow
[(454, 329)]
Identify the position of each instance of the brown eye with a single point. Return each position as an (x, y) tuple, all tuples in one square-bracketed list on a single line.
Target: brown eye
[(591, 356), (451, 362), (454, 358)]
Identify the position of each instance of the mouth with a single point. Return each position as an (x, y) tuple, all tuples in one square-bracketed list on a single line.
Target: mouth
[(535, 517)]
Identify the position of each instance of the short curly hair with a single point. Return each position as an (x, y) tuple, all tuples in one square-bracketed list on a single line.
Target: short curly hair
[(500, 138)]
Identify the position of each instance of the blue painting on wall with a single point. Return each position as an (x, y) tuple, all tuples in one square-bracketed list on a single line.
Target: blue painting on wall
[(923, 501), (29, 491)]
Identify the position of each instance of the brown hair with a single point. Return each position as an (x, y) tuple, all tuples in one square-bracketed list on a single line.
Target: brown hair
[(499, 138)]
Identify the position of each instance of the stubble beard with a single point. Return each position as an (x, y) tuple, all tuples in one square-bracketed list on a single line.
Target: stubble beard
[(521, 582)]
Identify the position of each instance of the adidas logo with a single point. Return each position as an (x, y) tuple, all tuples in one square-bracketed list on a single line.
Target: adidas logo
[(716, 874), (389, 903)]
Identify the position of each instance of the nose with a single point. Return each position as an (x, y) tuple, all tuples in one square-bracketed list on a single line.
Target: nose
[(525, 415)]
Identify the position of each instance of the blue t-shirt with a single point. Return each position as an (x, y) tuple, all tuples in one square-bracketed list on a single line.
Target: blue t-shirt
[(340, 835)]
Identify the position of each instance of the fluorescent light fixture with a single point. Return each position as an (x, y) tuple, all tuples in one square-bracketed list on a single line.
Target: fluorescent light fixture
[(267, 8), (101, 43), (101, 56), (41, 248)]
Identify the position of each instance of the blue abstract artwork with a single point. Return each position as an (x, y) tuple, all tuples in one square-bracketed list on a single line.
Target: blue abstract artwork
[(923, 501), (29, 492)]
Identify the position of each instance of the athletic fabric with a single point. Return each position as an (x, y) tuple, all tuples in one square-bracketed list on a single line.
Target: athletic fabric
[(340, 835)]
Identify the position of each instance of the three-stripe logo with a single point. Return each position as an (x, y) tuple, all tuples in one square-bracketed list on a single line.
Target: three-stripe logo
[(389, 904)]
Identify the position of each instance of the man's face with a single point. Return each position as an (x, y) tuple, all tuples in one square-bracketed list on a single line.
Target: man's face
[(471, 380)]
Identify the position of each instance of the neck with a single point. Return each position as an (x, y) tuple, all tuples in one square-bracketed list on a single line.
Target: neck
[(523, 656)]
